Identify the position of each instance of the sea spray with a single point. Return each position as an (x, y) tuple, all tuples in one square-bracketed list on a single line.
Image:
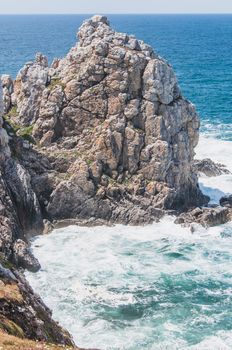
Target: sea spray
[(219, 151), (153, 287)]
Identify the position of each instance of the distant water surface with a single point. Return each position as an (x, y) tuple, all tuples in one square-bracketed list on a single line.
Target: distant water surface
[(198, 46)]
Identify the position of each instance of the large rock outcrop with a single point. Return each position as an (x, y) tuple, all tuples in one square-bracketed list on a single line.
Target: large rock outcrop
[(22, 313), (20, 214), (113, 128), (101, 135)]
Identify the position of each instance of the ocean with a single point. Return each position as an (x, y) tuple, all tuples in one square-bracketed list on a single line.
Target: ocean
[(159, 286), (198, 47)]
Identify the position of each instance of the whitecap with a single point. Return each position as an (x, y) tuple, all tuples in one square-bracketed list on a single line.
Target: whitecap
[(219, 151)]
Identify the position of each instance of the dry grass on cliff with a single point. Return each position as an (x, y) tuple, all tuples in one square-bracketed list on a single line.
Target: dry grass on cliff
[(10, 292), (9, 342)]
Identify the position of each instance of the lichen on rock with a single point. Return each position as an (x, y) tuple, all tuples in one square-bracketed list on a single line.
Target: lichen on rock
[(117, 105)]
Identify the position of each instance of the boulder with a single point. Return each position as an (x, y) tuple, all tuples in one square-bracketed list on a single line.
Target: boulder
[(206, 217), (209, 168), (226, 201), (23, 257), (7, 85)]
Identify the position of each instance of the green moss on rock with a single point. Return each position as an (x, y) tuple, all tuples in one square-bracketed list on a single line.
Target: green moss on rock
[(11, 328), (55, 81)]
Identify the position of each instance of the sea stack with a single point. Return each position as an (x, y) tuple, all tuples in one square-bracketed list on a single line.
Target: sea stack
[(114, 135)]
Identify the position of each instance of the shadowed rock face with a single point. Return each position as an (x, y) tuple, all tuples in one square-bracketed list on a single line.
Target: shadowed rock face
[(22, 313), (112, 123), (20, 213)]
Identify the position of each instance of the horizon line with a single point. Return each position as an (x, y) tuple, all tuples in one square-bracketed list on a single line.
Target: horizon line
[(126, 14)]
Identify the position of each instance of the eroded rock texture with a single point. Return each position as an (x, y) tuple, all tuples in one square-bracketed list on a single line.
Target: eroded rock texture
[(114, 133), (20, 213), (22, 313), (209, 168)]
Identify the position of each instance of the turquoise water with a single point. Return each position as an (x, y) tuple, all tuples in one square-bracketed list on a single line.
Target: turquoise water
[(198, 46), (159, 286), (133, 288)]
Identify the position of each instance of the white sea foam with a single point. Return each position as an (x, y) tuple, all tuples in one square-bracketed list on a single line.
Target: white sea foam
[(131, 287), (221, 152), (218, 150), (158, 287)]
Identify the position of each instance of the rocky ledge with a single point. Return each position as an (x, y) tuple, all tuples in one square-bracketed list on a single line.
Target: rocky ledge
[(22, 313), (102, 135), (209, 168)]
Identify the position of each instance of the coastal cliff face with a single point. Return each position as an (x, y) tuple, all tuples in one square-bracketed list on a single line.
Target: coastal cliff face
[(22, 313), (114, 136), (102, 134)]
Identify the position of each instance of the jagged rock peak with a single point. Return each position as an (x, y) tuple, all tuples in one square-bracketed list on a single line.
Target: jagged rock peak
[(95, 21), (111, 117)]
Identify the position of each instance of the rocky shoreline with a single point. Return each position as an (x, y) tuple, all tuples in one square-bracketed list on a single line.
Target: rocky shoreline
[(102, 136)]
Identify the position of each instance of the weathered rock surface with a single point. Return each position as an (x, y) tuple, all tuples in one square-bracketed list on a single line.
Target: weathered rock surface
[(206, 217), (115, 135), (23, 314), (7, 85), (226, 201), (20, 213), (209, 168)]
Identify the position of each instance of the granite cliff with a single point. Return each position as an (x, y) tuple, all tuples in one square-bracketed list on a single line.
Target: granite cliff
[(22, 313), (102, 135), (114, 137)]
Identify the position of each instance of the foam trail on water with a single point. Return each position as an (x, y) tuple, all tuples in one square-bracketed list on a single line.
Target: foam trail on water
[(157, 287), (153, 287)]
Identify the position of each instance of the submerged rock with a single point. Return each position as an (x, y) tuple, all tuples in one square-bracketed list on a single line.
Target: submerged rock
[(209, 168), (206, 217), (226, 201)]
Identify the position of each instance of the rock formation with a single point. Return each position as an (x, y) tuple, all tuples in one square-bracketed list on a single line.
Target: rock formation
[(206, 217), (20, 213), (209, 168), (102, 134), (114, 136), (226, 201), (22, 313)]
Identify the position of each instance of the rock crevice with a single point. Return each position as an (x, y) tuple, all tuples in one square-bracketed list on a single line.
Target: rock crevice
[(111, 120)]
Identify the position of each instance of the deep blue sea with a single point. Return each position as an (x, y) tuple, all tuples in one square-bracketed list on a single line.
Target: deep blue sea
[(158, 287), (198, 46)]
